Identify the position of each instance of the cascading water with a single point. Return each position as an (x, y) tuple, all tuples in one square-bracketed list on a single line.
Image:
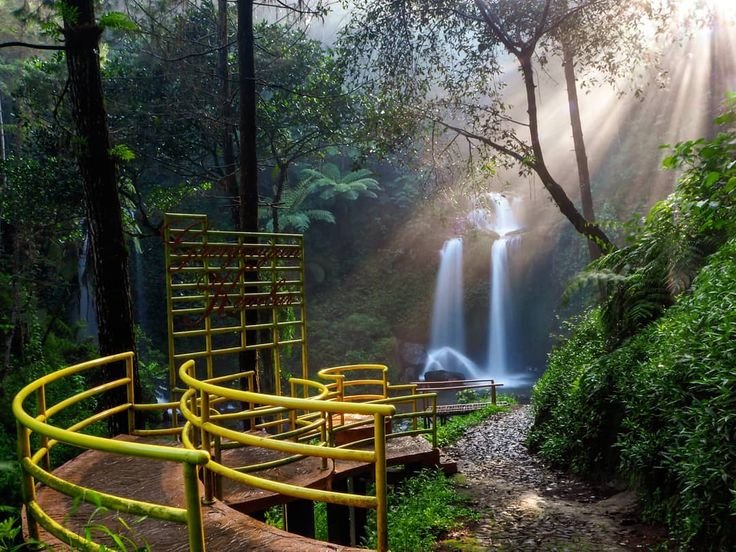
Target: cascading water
[(448, 326), (506, 227), (447, 345), (87, 313)]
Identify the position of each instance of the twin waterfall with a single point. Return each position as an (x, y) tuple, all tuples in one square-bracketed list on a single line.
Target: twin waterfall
[(447, 349)]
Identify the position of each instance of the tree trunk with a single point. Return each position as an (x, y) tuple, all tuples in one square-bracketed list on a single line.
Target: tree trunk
[(589, 229), (278, 193), (223, 74), (102, 202), (248, 159), (248, 189), (581, 156)]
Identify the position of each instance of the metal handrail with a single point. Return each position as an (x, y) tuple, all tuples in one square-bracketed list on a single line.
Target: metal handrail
[(299, 426), (195, 409), (51, 435)]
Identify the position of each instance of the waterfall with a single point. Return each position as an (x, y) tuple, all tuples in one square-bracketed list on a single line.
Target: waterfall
[(87, 311), (447, 344), (505, 226), (448, 325)]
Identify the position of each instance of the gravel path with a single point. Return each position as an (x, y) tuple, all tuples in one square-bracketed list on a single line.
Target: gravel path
[(525, 506)]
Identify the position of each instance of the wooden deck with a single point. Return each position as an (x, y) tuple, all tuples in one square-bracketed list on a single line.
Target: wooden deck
[(226, 527), (159, 482)]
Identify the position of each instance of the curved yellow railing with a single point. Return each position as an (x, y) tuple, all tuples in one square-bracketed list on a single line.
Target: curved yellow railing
[(301, 425), (305, 434), (35, 464), (369, 383)]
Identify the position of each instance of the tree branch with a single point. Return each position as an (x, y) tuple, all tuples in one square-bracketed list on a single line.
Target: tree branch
[(483, 139), (19, 44), (496, 27)]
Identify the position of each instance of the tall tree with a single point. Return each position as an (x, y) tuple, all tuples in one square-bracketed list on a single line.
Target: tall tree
[(581, 155), (446, 59), (223, 73), (99, 178), (248, 154)]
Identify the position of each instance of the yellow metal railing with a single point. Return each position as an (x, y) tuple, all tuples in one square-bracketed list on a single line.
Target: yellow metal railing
[(217, 418), (36, 466), (368, 383), (304, 434)]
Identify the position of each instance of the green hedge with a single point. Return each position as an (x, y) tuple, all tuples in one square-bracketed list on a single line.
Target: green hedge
[(659, 411)]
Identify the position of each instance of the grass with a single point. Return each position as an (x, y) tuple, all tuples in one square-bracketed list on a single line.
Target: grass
[(420, 510)]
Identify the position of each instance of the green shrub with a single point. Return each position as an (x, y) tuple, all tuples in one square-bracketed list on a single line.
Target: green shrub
[(556, 396), (419, 510), (679, 438), (658, 411)]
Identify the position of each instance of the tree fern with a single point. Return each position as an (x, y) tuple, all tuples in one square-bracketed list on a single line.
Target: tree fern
[(331, 184), (671, 245)]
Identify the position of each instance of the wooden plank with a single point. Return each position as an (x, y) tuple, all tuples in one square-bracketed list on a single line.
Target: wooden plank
[(159, 482)]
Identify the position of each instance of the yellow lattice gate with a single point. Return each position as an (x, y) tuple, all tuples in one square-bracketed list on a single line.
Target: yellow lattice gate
[(230, 293)]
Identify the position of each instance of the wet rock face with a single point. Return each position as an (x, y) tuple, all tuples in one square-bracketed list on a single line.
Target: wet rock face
[(525, 506), (413, 354)]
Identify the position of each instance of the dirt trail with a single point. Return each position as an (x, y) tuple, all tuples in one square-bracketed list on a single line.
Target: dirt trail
[(527, 507)]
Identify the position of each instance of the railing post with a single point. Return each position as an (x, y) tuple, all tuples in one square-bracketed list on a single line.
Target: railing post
[(493, 392), (131, 394), (218, 458), (251, 405), (28, 488), (324, 435), (341, 394), (434, 422), (381, 500), (41, 399), (195, 526), (204, 417)]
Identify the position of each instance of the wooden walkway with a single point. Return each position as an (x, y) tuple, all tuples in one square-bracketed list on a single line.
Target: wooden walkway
[(226, 528)]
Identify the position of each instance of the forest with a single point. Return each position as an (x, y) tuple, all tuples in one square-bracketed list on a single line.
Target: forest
[(575, 159)]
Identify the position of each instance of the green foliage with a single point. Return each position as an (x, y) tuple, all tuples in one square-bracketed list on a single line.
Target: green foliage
[(419, 510), (581, 378), (274, 516), (677, 441), (659, 410), (468, 396), (10, 530), (363, 338), (663, 255), (330, 183), (320, 521), (644, 385), (117, 20), (297, 210)]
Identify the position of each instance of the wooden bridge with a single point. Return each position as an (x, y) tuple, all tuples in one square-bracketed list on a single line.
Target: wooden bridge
[(445, 411), (201, 484), (229, 452)]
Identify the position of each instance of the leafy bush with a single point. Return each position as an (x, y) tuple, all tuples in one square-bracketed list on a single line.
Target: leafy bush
[(419, 510), (659, 411), (674, 240), (644, 388), (556, 396), (679, 437)]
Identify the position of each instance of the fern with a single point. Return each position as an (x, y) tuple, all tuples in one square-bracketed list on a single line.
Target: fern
[(669, 247)]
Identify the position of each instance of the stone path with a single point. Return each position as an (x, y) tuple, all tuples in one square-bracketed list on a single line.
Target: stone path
[(527, 507)]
